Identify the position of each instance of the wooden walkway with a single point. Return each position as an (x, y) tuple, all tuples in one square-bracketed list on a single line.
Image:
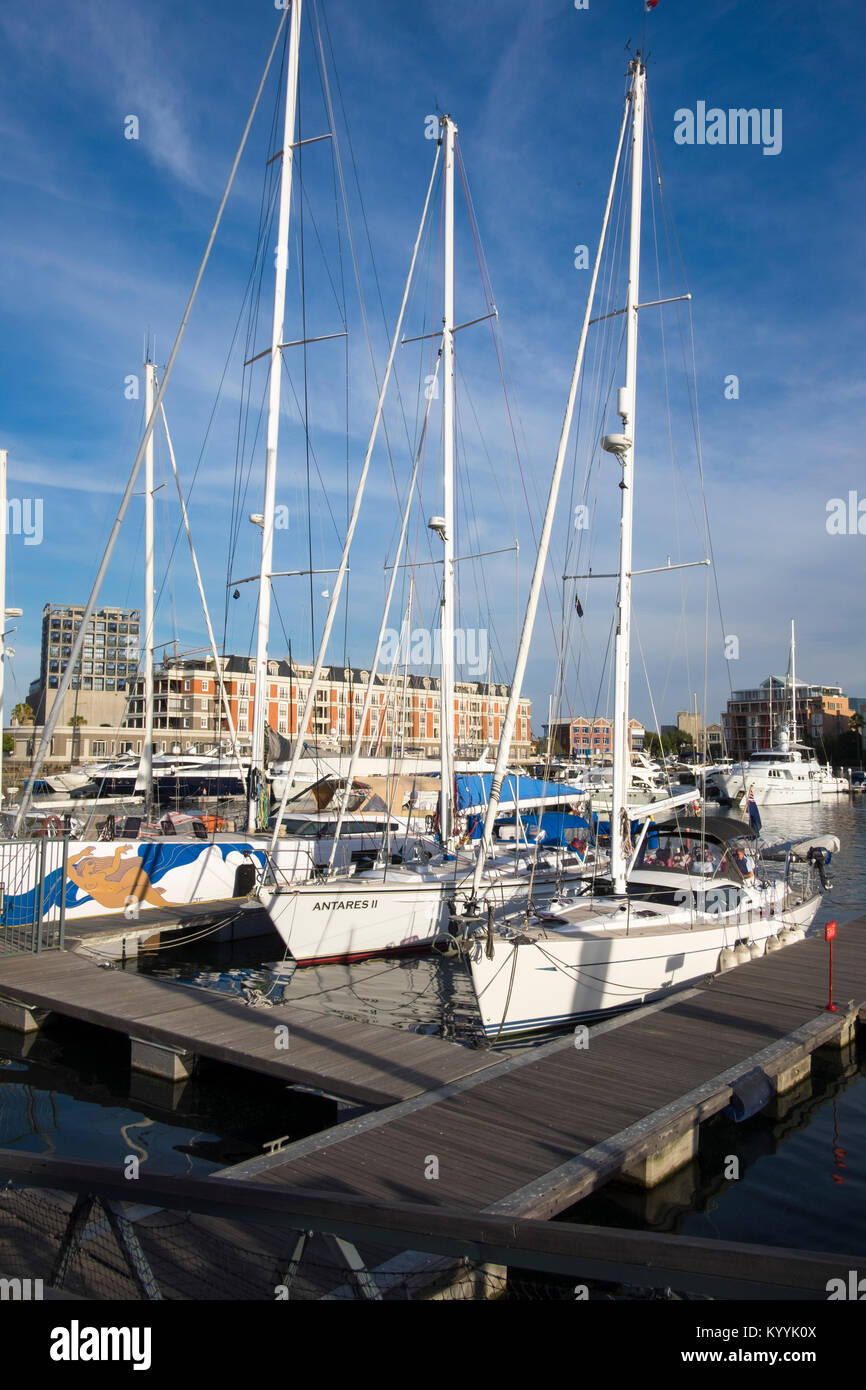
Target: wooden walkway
[(362, 1062), (535, 1133)]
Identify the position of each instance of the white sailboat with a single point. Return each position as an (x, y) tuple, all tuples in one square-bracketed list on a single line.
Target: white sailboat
[(687, 900)]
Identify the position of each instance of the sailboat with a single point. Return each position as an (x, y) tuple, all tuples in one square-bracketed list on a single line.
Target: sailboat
[(691, 896)]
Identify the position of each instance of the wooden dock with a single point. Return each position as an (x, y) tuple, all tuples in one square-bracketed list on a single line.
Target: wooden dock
[(169, 1024), (533, 1134), (486, 1144)]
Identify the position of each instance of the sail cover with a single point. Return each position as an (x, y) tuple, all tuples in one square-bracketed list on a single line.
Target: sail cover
[(473, 791)]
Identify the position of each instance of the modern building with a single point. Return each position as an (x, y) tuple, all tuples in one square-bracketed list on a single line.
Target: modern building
[(588, 738), (754, 717), (101, 679), (405, 712)]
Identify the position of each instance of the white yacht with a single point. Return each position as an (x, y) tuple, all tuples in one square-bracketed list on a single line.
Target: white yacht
[(788, 775)]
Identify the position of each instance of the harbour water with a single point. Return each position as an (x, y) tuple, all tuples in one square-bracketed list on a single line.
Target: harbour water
[(802, 1171)]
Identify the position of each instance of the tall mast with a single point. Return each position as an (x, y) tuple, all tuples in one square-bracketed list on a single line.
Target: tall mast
[(2, 602), (146, 766), (446, 622), (625, 451), (260, 705), (793, 687)]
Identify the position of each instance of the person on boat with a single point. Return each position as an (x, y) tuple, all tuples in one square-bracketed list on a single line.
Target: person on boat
[(742, 863)]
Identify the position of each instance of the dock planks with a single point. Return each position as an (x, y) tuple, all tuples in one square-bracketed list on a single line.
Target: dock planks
[(362, 1062), (531, 1135)]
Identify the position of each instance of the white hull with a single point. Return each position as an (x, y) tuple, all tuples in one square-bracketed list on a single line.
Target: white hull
[(402, 910), (805, 791), (559, 979), (835, 786)]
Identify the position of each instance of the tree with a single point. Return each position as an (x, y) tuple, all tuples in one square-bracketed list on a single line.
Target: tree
[(75, 722), (22, 713), (8, 743)]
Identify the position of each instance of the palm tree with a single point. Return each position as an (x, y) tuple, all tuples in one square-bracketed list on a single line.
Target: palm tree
[(76, 721), (855, 723)]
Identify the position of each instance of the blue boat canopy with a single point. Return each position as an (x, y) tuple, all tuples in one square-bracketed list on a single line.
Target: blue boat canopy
[(473, 791)]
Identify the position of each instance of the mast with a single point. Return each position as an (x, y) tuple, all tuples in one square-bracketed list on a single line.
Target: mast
[(146, 765), (793, 687), (260, 703), (625, 451), (2, 603), (446, 622)]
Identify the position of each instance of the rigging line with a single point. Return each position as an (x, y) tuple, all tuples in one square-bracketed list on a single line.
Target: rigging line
[(306, 420), (693, 395), (306, 199), (270, 185), (464, 483), (502, 376), (51, 721), (350, 236), (211, 638), (305, 425), (676, 470)]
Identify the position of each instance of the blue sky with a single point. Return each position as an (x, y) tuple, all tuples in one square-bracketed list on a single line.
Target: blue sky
[(100, 238)]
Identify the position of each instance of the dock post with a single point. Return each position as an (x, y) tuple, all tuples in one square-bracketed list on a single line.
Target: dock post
[(654, 1167), (21, 1018), (168, 1063)]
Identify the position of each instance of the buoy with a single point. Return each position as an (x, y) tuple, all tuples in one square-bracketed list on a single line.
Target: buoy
[(797, 933), (785, 937), (742, 953), (727, 960), (756, 949), (773, 944)]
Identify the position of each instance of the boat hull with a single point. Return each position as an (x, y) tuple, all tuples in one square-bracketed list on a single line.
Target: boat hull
[(534, 986)]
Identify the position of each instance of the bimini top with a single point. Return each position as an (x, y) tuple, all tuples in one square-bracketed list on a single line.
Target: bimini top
[(723, 828)]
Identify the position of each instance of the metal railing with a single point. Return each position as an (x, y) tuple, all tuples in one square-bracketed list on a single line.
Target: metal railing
[(33, 886)]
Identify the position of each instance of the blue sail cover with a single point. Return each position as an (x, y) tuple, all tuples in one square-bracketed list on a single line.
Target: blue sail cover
[(473, 791)]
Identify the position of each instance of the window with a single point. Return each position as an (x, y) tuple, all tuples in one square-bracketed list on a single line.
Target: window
[(203, 722), (205, 685), (187, 685)]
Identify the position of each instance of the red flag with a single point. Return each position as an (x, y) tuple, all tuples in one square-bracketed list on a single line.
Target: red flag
[(650, 4)]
